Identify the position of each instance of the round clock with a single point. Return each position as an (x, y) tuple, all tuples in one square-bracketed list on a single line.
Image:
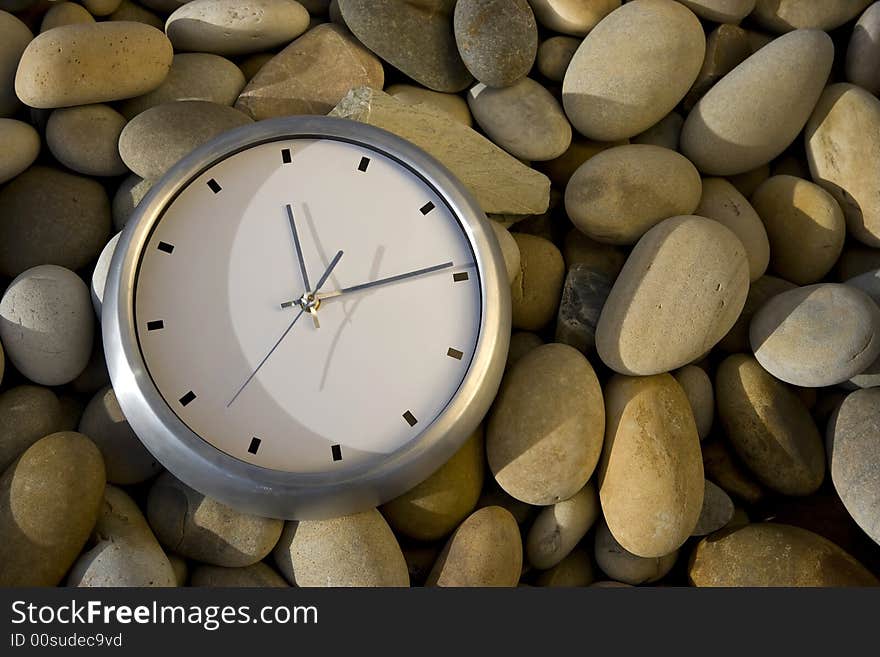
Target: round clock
[(306, 317)]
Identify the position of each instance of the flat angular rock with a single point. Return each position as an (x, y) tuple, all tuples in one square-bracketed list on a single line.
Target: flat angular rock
[(583, 298)]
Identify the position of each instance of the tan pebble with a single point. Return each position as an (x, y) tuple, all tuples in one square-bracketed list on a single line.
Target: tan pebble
[(536, 288)]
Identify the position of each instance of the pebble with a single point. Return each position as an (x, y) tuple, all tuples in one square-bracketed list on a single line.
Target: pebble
[(559, 528), (258, 575), (575, 17), (561, 169), (864, 51), (578, 249), (523, 118), (869, 283), (92, 63), (760, 291), (633, 69), (853, 444), (128, 196), (619, 194), (421, 45), (27, 413), (126, 460), (509, 250), (583, 297), (311, 75), (549, 403), (51, 217), (180, 567), (85, 139), (643, 329), (354, 550), (665, 133), (697, 387), (193, 76), (49, 502), (21, 146), (723, 202), (723, 468), (651, 473), (554, 56), (226, 27), (805, 226), (780, 83), (623, 566), (720, 11), (14, 38), (816, 336), (785, 15), (131, 11), (47, 324), (769, 427), (536, 289), (65, 13), (576, 570), (126, 553), (843, 149), (454, 106), (434, 508), (99, 275), (717, 510), (485, 550), (521, 343), (155, 140), (497, 39), (746, 183), (744, 557), (201, 528), (101, 7), (727, 46)]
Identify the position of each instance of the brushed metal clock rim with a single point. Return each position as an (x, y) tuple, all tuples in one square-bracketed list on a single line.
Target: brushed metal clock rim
[(274, 493)]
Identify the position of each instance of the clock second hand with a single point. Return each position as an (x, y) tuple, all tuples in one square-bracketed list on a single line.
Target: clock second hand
[(323, 280)]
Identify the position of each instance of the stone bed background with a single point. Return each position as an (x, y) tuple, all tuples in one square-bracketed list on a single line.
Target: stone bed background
[(687, 195)]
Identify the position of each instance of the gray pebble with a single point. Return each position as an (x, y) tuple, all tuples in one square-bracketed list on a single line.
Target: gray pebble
[(27, 413), (583, 298), (86, 139), (666, 133), (717, 511), (258, 575), (129, 194), (554, 56), (626, 567), (21, 146)]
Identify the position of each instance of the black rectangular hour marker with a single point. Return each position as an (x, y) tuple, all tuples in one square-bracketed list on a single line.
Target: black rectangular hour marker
[(426, 208), (410, 418), (214, 185), (155, 326), (255, 445), (285, 156), (455, 353), (336, 450), (460, 276), (166, 247), (365, 162), (187, 398)]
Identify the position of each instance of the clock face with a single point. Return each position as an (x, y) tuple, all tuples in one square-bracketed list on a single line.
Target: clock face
[(272, 371)]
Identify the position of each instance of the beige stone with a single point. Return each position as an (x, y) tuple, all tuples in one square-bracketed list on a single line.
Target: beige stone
[(257, 575), (535, 290), (554, 56), (21, 146), (559, 528), (626, 567), (561, 169), (727, 46), (723, 468), (698, 387), (786, 15), (86, 139), (760, 291), (14, 39), (453, 105), (65, 13), (864, 51), (133, 12), (578, 249), (575, 570), (575, 17), (720, 11), (664, 133), (27, 413), (521, 343), (509, 249)]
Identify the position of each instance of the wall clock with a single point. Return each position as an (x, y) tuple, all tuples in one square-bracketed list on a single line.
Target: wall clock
[(306, 317)]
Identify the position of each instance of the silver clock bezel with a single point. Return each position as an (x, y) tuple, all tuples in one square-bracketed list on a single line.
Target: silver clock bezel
[(262, 491)]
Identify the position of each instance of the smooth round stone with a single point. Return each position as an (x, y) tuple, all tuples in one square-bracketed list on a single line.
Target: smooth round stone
[(316, 7), (816, 336), (2, 362), (760, 291), (633, 69), (560, 527), (791, 165), (126, 553), (258, 575), (204, 529), (422, 43), (578, 249), (158, 138), (14, 38), (583, 298), (524, 119), (521, 343), (769, 554), (71, 412), (574, 571), (497, 39), (720, 11), (665, 133), (354, 550), (49, 502), (853, 444), (786, 15), (47, 324), (101, 7), (575, 17), (126, 460), (21, 146), (536, 289), (27, 413), (769, 427), (723, 202), (869, 283), (646, 330), (619, 194), (698, 387), (128, 196), (727, 46), (86, 139), (92, 63), (226, 27), (95, 375), (723, 468), (131, 11), (252, 64), (193, 76), (550, 403), (623, 566), (485, 550), (453, 105), (49, 216), (563, 167), (65, 13), (717, 510), (805, 226), (651, 473), (435, 507), (509, 250), (843, 150), (758, 109), (746, 183), (99, 275), (863, 52), (554, 56), (181, 569)]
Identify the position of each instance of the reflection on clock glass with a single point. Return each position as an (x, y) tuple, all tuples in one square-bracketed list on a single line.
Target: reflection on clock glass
[(269, 369)]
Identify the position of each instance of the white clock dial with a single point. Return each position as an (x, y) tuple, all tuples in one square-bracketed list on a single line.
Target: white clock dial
[(349, 383)]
